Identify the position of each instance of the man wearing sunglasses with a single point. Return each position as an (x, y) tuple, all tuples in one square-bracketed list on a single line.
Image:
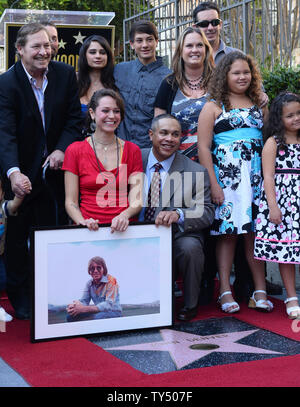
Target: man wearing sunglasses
[(207, 17)]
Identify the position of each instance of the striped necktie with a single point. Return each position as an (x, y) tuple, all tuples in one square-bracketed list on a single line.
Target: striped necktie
[(154, 193)]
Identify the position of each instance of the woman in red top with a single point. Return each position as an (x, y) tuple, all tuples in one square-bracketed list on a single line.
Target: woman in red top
[(103, 171)]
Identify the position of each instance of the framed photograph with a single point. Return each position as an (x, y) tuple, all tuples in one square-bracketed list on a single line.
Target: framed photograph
[(87, 282)]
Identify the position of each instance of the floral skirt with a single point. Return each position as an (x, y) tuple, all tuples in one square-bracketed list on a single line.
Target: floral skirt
[(238, 170), (280, 243)]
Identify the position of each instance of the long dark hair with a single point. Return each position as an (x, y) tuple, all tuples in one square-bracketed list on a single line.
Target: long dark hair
[(106, 73), (274, 126)]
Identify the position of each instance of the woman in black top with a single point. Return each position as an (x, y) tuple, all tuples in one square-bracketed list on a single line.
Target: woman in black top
[(183, 93)]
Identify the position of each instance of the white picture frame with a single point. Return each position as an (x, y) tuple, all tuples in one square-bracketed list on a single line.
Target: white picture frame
[(140, 260)]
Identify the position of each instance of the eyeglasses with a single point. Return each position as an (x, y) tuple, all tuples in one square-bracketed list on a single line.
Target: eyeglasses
[(95, 269), (205, 23)]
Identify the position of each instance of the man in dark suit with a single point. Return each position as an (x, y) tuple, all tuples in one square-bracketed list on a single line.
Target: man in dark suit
[(184, 201), (39, 118)]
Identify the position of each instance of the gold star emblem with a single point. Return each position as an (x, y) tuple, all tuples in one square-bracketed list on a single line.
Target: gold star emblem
[(61, 44), (79, 38)]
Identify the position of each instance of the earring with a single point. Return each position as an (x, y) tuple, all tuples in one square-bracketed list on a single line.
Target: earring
[(93, 126)]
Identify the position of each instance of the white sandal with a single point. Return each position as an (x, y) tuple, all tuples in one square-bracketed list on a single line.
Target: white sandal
[(227, 305), (4, 316), (290, 310), (260, 305)]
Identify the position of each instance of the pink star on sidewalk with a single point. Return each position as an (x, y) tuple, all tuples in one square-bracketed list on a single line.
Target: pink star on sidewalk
[(182, 346)]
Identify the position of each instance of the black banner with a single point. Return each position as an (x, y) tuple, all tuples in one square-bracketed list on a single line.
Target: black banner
[(70, 39)]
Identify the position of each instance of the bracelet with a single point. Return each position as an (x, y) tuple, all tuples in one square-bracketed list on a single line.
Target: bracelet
[(5, 209)]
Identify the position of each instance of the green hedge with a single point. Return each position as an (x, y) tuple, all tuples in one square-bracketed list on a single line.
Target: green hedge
[(279, 79)]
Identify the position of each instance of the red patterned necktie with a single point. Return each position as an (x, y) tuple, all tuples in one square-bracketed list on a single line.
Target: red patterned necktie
[(154, 193)]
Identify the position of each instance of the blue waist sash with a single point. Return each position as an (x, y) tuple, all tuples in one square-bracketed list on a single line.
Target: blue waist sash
[(246, 134)]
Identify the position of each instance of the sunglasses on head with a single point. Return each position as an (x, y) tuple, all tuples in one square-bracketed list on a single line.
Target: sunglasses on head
[(205, 23)]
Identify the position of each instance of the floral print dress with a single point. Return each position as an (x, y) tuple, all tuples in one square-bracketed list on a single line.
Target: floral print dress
[(236, 152), (281, 243)]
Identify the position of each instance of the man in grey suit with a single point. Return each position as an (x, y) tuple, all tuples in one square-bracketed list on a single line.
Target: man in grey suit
[(184, 201)]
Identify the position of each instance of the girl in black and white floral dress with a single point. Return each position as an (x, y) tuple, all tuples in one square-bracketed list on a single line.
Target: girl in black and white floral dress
[(278, 221)]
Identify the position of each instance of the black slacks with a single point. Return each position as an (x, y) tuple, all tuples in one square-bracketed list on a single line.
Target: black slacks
[(39, 209)]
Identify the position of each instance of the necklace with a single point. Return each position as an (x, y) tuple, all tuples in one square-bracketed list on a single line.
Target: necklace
[(98, 162), (194, 84), (106, 145)]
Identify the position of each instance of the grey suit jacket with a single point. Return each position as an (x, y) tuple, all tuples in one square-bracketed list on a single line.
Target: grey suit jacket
[(187, 187)]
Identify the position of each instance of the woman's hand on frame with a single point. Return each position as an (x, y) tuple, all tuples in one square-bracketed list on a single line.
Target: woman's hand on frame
[(91, 224), (119, 223)]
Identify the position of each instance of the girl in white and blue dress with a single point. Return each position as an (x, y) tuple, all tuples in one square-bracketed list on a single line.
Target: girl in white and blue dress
[(277, 227), (230, 146)]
